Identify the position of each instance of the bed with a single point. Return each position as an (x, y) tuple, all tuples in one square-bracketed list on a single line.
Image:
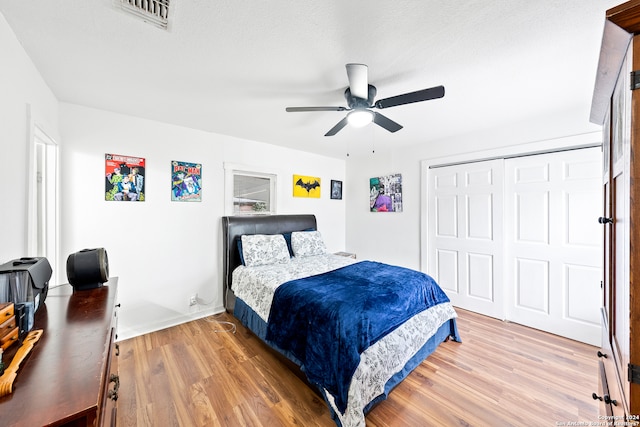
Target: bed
[(355, 329)]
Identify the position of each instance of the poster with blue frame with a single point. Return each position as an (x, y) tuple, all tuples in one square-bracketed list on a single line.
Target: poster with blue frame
[(186, 181)]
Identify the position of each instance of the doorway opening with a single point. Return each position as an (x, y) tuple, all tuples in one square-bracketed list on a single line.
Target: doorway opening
[(42, 229)]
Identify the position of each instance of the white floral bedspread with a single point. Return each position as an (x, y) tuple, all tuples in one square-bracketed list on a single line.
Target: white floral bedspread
[(256, 287), (385, 358)]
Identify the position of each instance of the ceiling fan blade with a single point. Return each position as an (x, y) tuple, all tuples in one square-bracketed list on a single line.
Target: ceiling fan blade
[(385, 122), (342, 123), (411, 97), (358, 75), (302, 109)]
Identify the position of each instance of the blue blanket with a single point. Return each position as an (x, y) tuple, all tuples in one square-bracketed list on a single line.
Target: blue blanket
[(327, 320)]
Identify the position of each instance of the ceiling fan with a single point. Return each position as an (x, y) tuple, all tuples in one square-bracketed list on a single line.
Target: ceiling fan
[(360, 95)]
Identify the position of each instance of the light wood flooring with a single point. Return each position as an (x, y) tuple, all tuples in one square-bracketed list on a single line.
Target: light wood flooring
[(501, 374)]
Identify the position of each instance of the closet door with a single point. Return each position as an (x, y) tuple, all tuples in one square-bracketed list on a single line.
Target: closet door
[(553, 243), (517, 239), (465, 234)]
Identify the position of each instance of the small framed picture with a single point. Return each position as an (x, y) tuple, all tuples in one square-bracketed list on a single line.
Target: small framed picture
[(336, 189)]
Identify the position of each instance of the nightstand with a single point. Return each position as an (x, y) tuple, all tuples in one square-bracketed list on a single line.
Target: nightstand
[(346, 254)]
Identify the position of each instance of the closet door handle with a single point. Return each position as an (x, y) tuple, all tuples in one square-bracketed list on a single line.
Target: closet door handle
[(604, 220)]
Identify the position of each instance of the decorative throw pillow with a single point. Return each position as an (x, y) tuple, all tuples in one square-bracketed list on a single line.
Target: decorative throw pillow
[(287, 238), (307, 243), (264, 249)]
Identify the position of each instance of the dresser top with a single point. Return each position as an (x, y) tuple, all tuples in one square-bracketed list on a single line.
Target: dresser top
[(63, 376)]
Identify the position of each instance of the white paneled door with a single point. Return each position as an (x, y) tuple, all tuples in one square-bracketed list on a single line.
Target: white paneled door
[(465, 234), (553, 252), (518, 239)]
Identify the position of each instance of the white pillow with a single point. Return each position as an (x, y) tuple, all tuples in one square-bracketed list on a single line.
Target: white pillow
[(307, 243), (264, 249)]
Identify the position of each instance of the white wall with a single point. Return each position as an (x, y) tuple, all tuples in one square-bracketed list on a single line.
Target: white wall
[(164, 251), (21, 88), (395, 238)]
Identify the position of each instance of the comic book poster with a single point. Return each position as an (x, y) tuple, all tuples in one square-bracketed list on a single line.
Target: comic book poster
[(306, 186), (124, 178), (385, 193), (186, 181)]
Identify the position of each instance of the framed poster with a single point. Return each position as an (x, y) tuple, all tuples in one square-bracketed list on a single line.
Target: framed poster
[(306, 186), (385, 193), (124, 178), (336, 189), (186, 181)]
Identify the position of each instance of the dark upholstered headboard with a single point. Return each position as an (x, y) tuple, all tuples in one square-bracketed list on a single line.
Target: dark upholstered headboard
[(235, 226)]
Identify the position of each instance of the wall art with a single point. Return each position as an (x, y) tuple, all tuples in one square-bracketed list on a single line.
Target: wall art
[(306, 186), (385, 193), (124, 178), (186, 181), (336, 189)]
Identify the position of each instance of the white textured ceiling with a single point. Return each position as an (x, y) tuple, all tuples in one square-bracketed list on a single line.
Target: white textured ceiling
[(231, 67)]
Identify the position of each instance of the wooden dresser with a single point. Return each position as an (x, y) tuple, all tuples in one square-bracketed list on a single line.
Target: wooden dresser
[(71, 376), (616, 106)]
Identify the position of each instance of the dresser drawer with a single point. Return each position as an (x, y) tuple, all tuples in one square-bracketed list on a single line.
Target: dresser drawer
[(6, 311), (612, 391), (613, 401), (8, 326), (9, 339)]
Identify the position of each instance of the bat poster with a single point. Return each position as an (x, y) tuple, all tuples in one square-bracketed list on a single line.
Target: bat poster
[(186, 181), (306, 186), (385, 193), (124, 178)]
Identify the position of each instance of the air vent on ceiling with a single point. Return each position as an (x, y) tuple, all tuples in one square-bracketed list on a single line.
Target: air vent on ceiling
[(155, 12)]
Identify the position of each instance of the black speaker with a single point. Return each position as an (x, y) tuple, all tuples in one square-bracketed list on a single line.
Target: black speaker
[(88, 269)]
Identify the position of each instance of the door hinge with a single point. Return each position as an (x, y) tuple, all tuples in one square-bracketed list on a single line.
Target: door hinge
[(635, 80), (634, 374)]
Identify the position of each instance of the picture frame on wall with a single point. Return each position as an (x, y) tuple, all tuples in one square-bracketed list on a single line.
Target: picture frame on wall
[(124, 178), (336, 189), (186, 181), (385, 193), (306, 186)]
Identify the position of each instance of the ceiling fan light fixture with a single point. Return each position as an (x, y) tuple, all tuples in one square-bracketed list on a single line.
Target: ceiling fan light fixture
[(359, 118), (360, 100)]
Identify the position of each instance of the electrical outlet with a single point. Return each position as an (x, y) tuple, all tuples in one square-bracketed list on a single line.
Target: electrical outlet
[(193, 300)]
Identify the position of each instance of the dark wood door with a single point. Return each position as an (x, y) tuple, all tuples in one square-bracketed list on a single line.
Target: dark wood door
[(632, 313), (622, 229), (617, 91), (615, 221)]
